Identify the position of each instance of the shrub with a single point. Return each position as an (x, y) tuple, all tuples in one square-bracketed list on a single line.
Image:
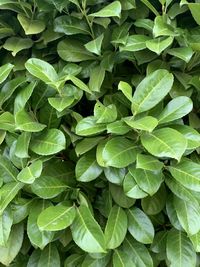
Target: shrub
[(99, 133)]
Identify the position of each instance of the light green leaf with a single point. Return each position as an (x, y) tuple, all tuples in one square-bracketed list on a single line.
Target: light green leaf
[(120, 34), (6, 221), (192, 136), (13, 246), (38, 238), (70, 25), (180, 251), (25, 122), (148, 162), (49, 256), (88, 126), (87, 144), (161, 28), (126, 90), (137, 252), (105, 114), (30, 173), (7, 193), (86, 232), (116, 227), (147, 123), (111, 10), (140, 226), (48, 187), (131, 188), (119, 152), (184, 53), (22, 145), (115, 175), (5, 71), (16, 44), (97, 76), (135, 43), (165, 142), (148, 181), (7, 122), (42, 70), (188, 214), (159, 44), (176, 109), (94, 46), (121, 259), (49, 142), (87, 168), (73, 51), (60, 103), (148, 93), (195, 9), (195, 239), (8, 171), (31, 26), (56, 218), (118, 127)]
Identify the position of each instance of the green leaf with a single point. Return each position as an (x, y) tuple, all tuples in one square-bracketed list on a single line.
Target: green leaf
[(159, 44), (120, 33), (8, 171), (70, 25), (148, 181), (94, 46), (184, 53), (31, 26), (161, 28), (137, 252), (97, 76), (38, 238), (131, 188), (188, 214), (111, 10), (116, 227), (22, 145), (126, 90), (119, 152), (86, 232), (88, 126), (49, 142), (119, 196), (6, 221), (30, 173), (87, 144), (147, 123), (16, 44), (140, 226), (192, 136), (73, 51), (7, 122), (148, 162), (13, 246), (87, 168), (56, 218), (7, 193), (42, 70), (176, 109), (165, 142), (25, 122), (187, 173), (48, 187), (115, 175), (60, 103), (5, 71), (120, 259), (8, 89), (148, 92), (23, 96), (49, 257), (195, 9), (135, 43), (73, 260), (105, 114), (118, 127), (81, 85), (180, 251)]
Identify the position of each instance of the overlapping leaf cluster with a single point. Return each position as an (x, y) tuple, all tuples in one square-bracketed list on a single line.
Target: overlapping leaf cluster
[(99, 133)]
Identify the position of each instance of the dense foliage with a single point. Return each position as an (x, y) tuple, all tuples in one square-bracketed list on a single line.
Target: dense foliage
[(99, 133)]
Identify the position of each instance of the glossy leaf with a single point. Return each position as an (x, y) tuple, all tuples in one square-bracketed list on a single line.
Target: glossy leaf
[(111, 10)]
